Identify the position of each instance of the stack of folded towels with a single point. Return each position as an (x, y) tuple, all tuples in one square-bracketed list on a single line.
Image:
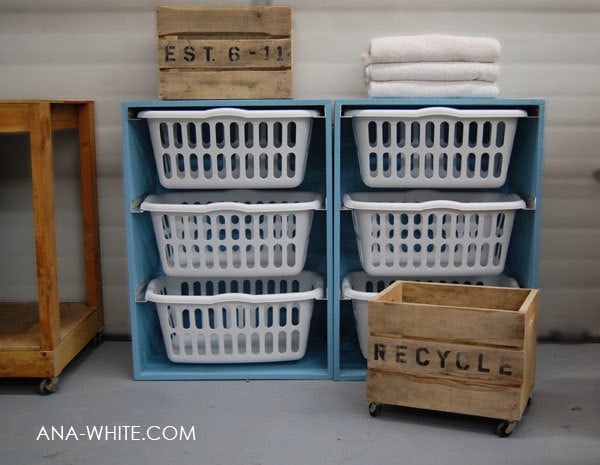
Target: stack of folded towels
[(432, 66)]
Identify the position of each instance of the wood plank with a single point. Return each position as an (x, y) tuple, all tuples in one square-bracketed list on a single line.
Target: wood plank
[(181, 20), (14, 117), (77, 335), (531, 333), (448, 324), (481, 315), (64, 116), (26, 364), (479, 297), (19, 326), (225, 53), (435, 359), (89, 204), (470, 398), (72, 315), (19, 323), (44, 222), (181, 85)]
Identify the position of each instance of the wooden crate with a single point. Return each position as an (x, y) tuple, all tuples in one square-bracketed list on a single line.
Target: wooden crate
[(453, 348), (224, 52)]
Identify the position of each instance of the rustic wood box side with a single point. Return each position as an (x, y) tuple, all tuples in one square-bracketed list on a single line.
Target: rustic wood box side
[(444, 395), (234, 52), (531, 310), (449, 324), (468, 296), (198, 20), (438, 359), (193, 84), (393, 293)]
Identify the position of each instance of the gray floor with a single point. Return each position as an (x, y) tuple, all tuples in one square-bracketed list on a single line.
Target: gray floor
[(288, 422)]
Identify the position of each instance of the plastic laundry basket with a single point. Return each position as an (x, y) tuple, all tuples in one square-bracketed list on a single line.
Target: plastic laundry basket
[(232, 233), (435, 147), (360, 288), (416, 233), (225, 148), (235, 320)]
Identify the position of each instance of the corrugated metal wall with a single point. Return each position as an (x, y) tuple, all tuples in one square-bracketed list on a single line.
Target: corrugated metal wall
[(105, 50)]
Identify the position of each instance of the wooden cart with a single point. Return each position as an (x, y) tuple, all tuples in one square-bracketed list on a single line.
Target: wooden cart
[(453, 348), (38, 339)]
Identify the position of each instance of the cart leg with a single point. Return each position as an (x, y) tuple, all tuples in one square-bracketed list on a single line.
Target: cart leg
[(48, 386), (374, 409)]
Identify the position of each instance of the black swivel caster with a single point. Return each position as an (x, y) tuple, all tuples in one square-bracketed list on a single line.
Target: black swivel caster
[(374, 409), (48, 386)]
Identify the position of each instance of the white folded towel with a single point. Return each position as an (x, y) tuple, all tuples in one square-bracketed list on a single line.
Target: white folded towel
[(432, 71), (430, 89), (433, 47)]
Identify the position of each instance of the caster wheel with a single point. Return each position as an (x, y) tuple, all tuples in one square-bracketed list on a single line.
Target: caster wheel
[(505, 428), (48, 386), (374, 409), (98, 339)]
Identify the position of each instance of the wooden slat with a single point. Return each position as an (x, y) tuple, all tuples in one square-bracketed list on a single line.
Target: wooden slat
[(19, 326), (481, 297), (390, 315), (44, 222), (435, 359), (77, 335), (466, 397), (64, 116), (26, 363), (224, 53), (274, 21), (178, 85), (531, 333), (20, 354), (19, 323), (450, 325), (89, 204), (14, 117)]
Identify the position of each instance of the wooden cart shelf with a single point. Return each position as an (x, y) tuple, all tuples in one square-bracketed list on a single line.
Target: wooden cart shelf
[(38, 339)]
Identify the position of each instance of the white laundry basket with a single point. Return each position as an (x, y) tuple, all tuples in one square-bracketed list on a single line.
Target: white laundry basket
[(416, 233), (232, 233), (239, 320), (435, 147), (359, 287), (226, 148)]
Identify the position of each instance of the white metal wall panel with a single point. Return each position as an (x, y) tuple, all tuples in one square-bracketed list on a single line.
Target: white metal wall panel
[(105, 50)]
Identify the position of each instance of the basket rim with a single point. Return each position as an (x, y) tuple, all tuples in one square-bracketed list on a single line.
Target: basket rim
[(171, 202), (349, 292), (227, 112), (425, 199), (315, 278), (436, 111)]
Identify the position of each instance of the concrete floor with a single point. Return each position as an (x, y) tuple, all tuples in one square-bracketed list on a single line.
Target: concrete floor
[(287, 422)]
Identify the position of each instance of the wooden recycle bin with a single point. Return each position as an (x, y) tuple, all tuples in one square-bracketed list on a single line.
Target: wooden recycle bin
[(453, 348)]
